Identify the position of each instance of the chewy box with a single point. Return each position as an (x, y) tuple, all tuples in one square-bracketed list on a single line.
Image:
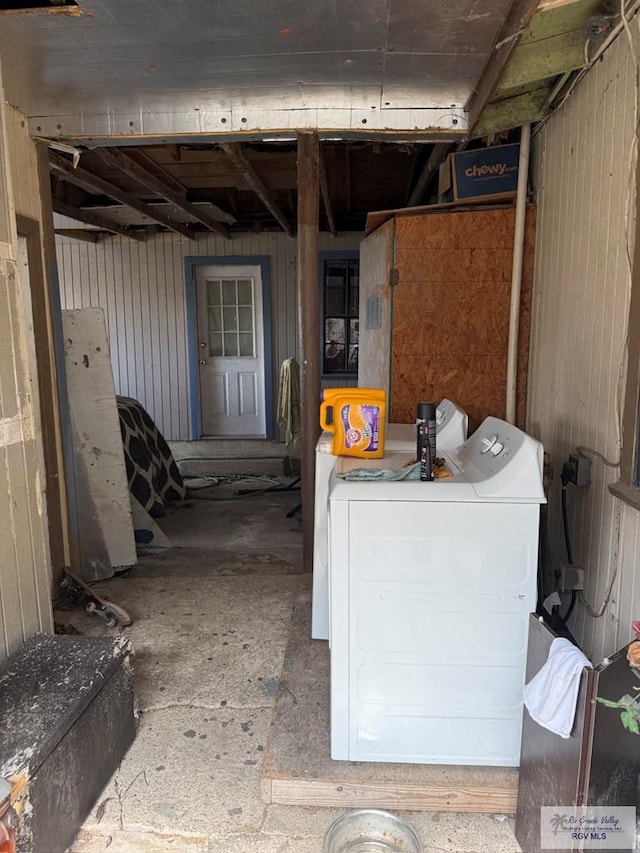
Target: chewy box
[(68, 716), (479, 174)]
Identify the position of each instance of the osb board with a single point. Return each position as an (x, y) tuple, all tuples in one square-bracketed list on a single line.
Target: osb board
[(298, 770), (451, 312)]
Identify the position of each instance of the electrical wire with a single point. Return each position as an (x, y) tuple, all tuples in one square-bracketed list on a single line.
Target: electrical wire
[(589, 451), (565, 525)]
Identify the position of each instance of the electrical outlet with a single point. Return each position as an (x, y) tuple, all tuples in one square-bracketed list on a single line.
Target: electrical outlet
[(571, 578), (577, 471)]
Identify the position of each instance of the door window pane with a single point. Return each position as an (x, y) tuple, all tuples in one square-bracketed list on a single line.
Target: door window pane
[(246, 344), (229, 319), (215, 320), (230, 345), (213, 292), (245, 319), (245, 291), (215, 344), (228, 291)]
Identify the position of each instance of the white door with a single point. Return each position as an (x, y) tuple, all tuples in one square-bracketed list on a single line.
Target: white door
[(231, 351)]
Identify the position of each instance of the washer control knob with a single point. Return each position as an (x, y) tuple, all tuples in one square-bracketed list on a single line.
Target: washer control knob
[(488, 442), (496, 448)]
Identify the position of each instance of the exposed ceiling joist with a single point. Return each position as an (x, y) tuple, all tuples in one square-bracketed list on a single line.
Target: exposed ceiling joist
[(516, 22), (118, 160), (234, 152), (82, 215), (95, 184), (513, 112), (78, 234), (438, 153), (326, 197)]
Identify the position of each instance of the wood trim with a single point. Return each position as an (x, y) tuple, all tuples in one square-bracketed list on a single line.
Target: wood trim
[(234, 152), (118, 160), (47, 392), (516, 22), (309, 327), (631, 411)]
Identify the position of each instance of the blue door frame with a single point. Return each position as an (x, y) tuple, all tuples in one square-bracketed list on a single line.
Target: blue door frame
[(190, 265)]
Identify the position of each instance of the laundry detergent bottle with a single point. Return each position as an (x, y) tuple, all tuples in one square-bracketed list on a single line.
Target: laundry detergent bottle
[(356, 418)]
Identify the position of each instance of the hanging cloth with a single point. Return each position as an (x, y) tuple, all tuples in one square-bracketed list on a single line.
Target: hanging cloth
[(288, 408)]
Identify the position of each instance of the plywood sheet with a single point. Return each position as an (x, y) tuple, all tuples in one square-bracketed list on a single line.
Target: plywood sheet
[(298, 770), (98, 442), (451, 312)]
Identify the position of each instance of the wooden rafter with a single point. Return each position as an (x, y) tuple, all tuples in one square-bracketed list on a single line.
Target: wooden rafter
[(78, 234), (89, 218), (118, 160), (326, 197), (516, 22), (438, 153), (95, 184), (234, 152)]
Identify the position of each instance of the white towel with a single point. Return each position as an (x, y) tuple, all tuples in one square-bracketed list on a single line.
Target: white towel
[(551, 695)]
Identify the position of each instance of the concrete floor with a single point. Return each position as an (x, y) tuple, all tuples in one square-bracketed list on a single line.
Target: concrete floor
[(210, 629)]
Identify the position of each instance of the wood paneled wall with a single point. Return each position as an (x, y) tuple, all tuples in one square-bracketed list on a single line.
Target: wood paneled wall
[(451, 312), (141, 288), (585, 180), (25, 576)]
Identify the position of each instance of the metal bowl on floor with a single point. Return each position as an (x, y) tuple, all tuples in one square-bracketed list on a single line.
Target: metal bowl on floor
[(371, 831)]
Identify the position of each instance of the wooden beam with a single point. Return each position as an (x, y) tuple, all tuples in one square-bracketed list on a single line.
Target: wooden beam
[(82, 215), (326, 198), (119, 160), (309, 328), (78, 234), (63, 168), (438, 153), (539, 60), (545, 5), (516, 22), (513, 112), (234, 152)]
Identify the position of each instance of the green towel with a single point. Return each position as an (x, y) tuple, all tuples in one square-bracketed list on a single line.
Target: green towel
[(411, 472), (288, 408)]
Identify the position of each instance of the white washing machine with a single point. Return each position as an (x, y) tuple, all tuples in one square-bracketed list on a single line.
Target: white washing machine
[(431, 586), (451, 431)]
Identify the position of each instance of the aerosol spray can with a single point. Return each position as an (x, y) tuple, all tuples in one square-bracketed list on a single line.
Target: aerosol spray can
[(426, 438)]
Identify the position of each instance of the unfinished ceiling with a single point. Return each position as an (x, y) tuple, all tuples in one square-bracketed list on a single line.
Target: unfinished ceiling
[(204, 99), (131, 67), (231, 187)]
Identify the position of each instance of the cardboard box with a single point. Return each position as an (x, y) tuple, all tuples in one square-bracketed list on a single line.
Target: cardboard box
[(480, 175)]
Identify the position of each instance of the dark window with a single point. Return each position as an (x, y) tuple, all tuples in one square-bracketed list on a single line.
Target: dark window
[(341, 279)]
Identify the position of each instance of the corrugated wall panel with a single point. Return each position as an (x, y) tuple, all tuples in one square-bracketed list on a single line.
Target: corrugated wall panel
[(141, 288), (585, 184)]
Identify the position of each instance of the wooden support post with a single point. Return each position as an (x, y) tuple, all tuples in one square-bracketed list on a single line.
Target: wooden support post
[(309, 327)]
